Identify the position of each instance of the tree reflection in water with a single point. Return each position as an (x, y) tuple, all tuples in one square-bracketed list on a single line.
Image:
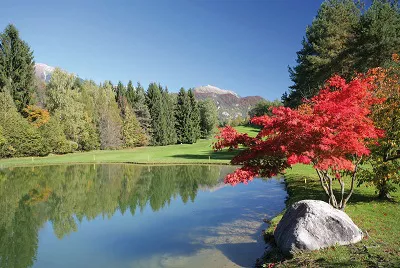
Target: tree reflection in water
[(66, 195)]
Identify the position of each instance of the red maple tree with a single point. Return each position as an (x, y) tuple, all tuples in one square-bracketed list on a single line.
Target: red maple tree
[(331, 131)]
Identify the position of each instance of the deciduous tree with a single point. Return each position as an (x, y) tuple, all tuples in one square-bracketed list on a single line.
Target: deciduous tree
[(331, 132), (264, 107), (20, 137), (36, 115), (383, 165), (132, 133), (65, 101)]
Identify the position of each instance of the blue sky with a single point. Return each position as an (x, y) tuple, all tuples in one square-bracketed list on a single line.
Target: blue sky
[(243, 46)]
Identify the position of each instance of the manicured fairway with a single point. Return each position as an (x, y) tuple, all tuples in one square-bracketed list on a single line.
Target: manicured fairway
[(198, 153)]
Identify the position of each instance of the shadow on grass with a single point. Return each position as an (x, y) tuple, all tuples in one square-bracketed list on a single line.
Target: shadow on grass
[(298, 190), (219, 155)]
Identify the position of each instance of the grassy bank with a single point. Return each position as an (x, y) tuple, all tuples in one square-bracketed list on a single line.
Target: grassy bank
[(380, 220), (199, 153)]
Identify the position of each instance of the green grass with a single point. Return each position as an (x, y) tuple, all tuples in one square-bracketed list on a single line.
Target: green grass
[(252, 131), (198, 153), (379, 219)]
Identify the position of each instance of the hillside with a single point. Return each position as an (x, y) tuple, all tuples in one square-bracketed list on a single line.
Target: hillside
[(230, 105)]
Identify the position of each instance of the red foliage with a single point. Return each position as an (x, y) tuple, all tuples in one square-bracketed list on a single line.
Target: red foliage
[(328, 131)]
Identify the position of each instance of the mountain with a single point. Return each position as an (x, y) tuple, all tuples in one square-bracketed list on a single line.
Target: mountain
[(229, 104), (43, 71)]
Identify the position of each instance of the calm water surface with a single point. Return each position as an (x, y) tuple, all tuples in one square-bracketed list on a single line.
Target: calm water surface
[(132, 216)]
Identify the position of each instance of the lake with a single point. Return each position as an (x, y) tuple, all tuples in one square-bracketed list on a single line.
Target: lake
[(113, 215)]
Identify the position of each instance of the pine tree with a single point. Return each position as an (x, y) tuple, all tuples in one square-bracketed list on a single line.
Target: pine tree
[(141, 110), (16, 67), (130, 94), (208, 117), (169, 107), (183, 117), (157, 112), (120, 95), (194, 117), (378, 35), (325, 51)]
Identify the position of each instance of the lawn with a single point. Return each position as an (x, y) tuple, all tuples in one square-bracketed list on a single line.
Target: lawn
[(199, 153), (379, 220)]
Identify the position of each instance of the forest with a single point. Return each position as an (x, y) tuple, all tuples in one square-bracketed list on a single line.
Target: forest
[(69, 114)]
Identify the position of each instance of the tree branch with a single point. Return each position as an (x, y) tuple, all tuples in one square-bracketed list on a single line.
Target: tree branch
[(352, 184), (387, 159), (334, 202), (342, 192), (322, 182)]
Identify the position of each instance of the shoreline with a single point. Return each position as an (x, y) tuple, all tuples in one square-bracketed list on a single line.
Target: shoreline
[(117, 163)]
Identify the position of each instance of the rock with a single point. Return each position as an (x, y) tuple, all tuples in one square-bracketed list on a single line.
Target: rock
[(312, 225)]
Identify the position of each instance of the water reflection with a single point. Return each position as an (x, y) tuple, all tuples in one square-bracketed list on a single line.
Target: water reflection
[(89, 209)]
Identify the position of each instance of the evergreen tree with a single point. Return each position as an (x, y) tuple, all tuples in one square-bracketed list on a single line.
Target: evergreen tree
[(141, 110), (157, 112), (169, 107), (325, 51), (16, 67), (183, 117), (130, 94), (378, 35), (208, 117), (194, 117), (120, 95)]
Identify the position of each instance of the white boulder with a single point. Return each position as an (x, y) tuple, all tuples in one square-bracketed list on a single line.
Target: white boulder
[(312, 225)]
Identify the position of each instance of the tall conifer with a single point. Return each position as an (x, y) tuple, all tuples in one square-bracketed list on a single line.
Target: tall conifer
[(141, 109), (325, 50), (169, 106), (194, 117), (16, 67), (182, 115), (158, 119)]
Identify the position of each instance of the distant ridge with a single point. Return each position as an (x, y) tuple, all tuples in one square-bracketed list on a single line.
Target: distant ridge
[(229, 104)]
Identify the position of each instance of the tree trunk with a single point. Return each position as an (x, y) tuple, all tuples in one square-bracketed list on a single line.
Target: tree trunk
[(384, 194)]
